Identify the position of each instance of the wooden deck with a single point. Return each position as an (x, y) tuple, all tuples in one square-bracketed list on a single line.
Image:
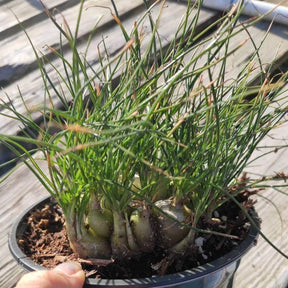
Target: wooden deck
[(262, 267)]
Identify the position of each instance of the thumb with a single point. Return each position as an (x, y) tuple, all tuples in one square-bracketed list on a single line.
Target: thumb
[(65, 275)]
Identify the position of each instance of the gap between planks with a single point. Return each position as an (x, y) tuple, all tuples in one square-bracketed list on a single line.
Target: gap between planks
[(31, 85)]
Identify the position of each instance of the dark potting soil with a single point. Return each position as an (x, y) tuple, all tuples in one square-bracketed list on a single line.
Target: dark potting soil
[(45, 241)]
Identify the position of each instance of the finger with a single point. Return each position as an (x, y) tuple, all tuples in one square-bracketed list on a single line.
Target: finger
[(66, 275)]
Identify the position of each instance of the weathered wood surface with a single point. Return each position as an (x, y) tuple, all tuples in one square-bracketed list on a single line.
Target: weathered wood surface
[(280, 2), (15, 197), (21, 60), (262, 267)]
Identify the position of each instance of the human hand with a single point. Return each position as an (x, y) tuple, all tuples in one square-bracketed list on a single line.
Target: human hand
[(65, 275)]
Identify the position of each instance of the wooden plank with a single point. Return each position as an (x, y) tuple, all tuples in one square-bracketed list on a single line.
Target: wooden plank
[(263, 266), (31, 85), (281, 2), (32, 91), (15, 197), (272, 42), (28, 12), (20, 59)]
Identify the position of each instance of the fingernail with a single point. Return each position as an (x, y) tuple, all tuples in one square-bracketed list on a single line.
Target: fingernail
[(69, 268)]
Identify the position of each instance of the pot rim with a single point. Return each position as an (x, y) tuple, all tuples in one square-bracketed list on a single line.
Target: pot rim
[(162, 281)]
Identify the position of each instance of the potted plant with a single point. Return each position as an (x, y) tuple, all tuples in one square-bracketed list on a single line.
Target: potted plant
[(146, 153)]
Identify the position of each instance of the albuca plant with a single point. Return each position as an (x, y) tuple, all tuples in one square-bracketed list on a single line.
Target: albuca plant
[(150, 144)]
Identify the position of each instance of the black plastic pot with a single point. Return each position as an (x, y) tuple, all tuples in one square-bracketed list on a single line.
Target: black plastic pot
[(216, 274)]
